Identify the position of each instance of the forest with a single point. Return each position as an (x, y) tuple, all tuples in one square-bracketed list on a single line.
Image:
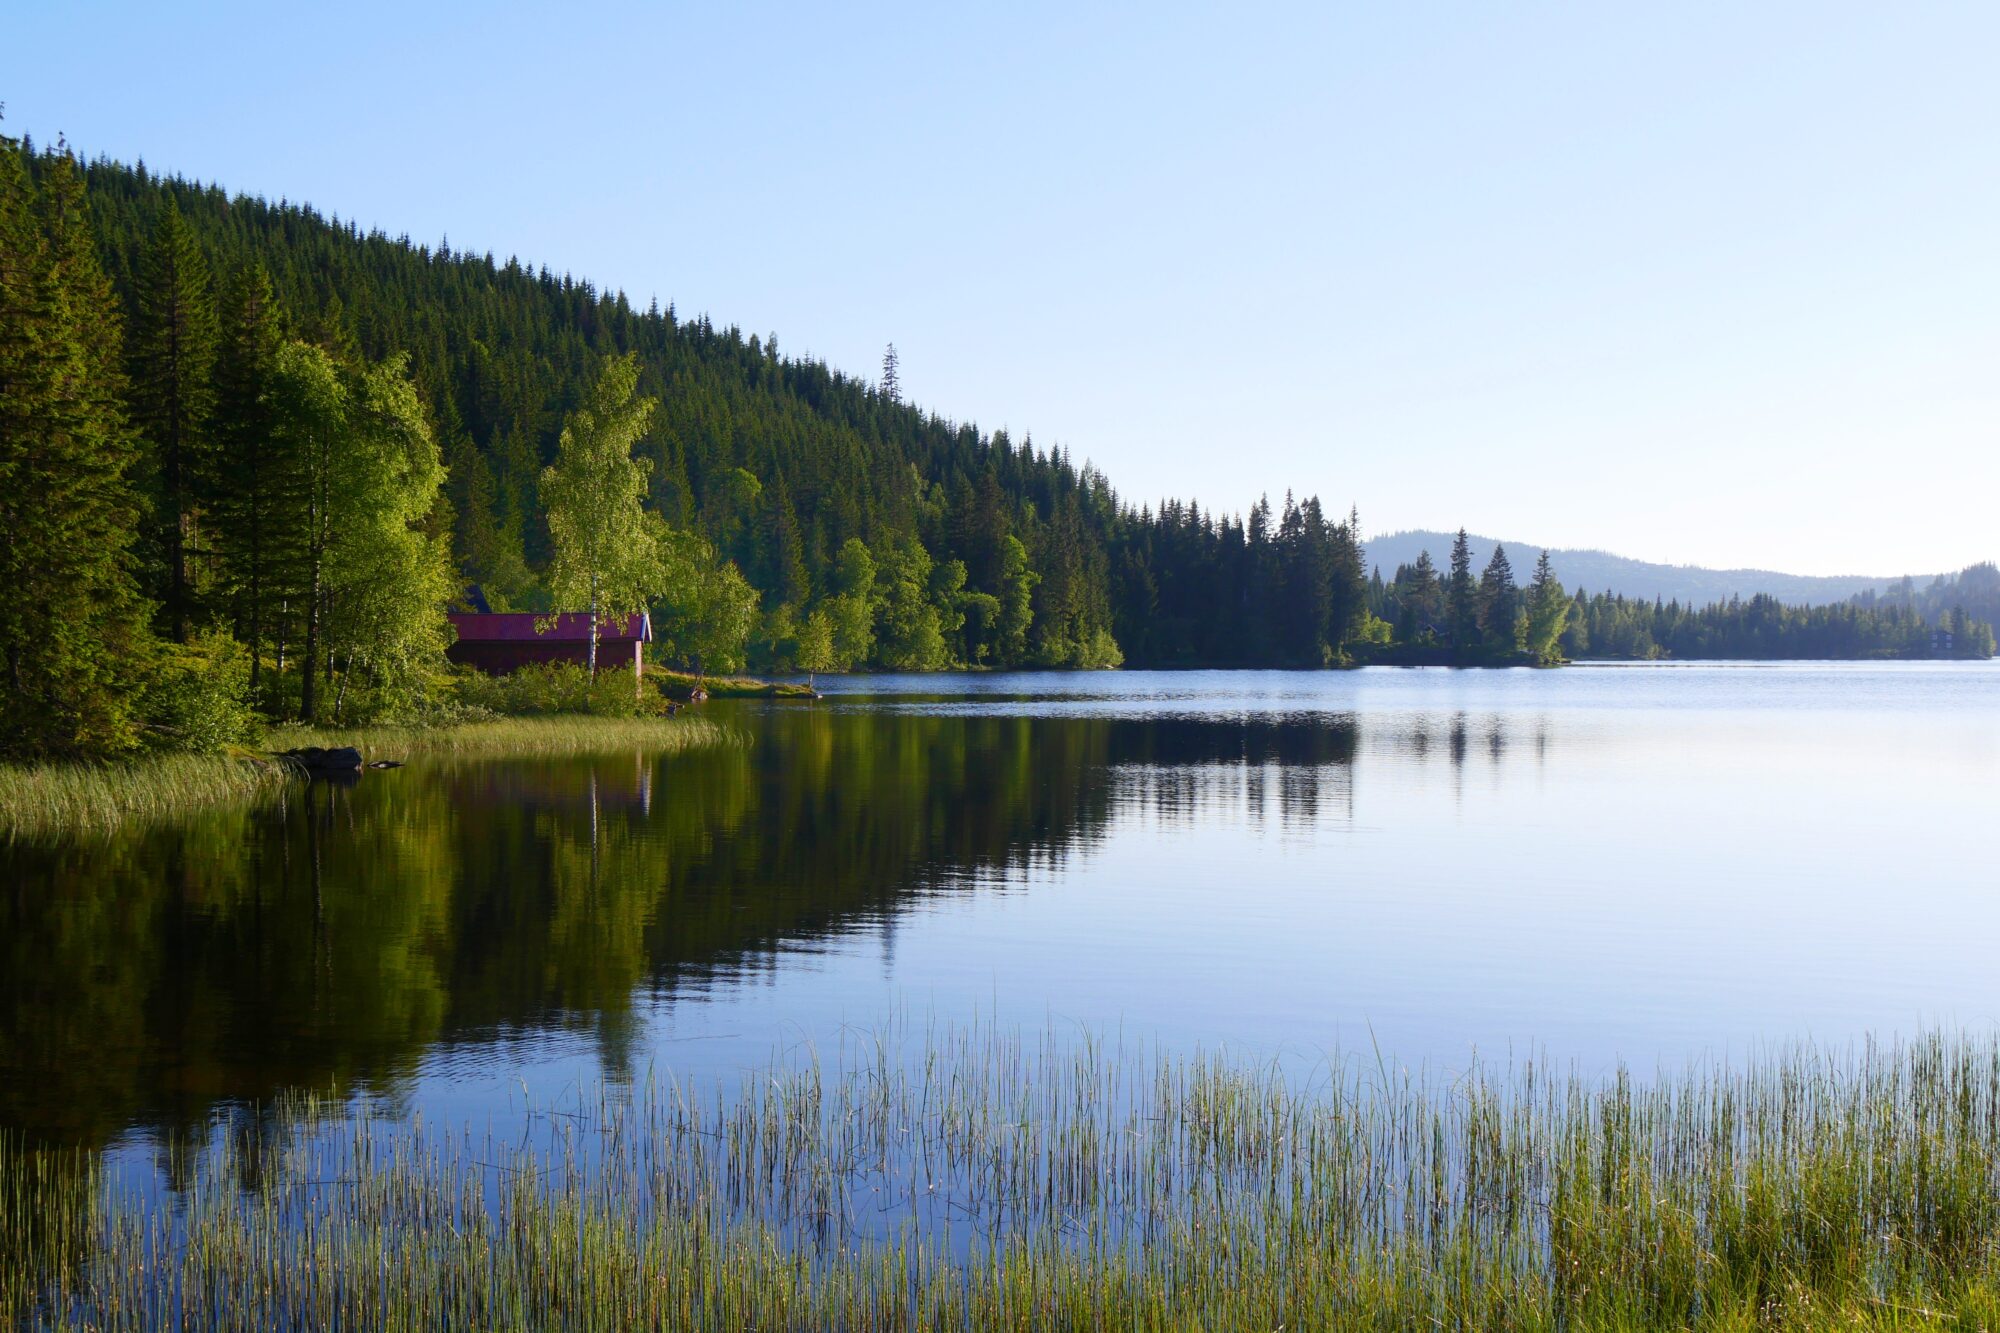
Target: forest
[(250, 454)]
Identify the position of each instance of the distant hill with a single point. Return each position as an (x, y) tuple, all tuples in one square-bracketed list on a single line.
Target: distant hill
[(1600, 571)]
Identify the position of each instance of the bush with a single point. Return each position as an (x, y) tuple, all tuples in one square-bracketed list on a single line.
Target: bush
[(560, 687), (198, 699)]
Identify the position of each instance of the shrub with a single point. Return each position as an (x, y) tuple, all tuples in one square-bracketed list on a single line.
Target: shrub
[(560, 687), (198, 699)]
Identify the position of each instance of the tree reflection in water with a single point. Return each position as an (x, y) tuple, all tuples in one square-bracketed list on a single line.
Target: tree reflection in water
[(330, 938)]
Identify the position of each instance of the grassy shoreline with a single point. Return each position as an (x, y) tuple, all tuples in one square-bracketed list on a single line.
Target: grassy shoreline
[(985, 1182), (681, 684), (61, 800)]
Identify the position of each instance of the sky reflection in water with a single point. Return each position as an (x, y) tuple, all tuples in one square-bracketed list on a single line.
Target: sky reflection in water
[(1600, 864)]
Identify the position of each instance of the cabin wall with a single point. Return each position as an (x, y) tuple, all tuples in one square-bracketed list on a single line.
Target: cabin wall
[(498, 659)]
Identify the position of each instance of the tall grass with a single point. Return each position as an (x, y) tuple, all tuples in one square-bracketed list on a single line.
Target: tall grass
[(550, 737), (981, 1183), (68, 800)]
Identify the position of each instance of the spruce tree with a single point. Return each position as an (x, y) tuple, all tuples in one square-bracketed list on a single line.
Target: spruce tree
[(255, 496), (1548, 614), (1464, 596), (1497, 601), (173, 394), (72, 627), (892, 379)]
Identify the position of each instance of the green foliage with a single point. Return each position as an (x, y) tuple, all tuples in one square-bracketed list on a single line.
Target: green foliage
[(173, 350), (850, 611), (486, 538), (296, 493), (371, 582), (73, 641), (198, 699), (607, 559), (1548, 615), (708, 610), (1499, 600), (255, 492), (551, 688), (910, 623), (1762, 628), (1016, 597), (815, 651), (387, 579)]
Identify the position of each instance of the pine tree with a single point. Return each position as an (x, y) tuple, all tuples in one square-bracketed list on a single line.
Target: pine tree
[(173, 360)]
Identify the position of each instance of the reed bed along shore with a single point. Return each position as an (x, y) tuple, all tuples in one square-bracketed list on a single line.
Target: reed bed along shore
[(68, 800), (79, 799), (980, 1182), (553, 736)]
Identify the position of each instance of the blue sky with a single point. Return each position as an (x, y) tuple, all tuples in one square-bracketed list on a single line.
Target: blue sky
[(1715, 283)]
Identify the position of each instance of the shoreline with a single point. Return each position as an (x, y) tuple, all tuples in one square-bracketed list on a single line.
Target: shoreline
[(70, 799)]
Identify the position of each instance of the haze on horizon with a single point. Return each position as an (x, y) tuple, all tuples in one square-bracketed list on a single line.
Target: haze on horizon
[(1700, 285)]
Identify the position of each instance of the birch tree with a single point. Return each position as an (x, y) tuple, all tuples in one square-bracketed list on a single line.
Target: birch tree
[(373, 585), (605, 554)]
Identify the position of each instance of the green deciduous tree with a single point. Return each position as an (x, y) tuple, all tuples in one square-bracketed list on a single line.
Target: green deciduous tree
[(373, 583), (606, 557), (390, 573), (1017, 601), (707, 609), (909, 629), (815, 650), (852, 608)]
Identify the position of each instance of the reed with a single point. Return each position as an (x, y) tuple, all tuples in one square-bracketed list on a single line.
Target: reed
[(541, 737), (71, 800), (979, 1181)]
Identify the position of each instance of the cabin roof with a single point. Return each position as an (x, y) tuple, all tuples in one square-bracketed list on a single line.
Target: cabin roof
[(570, 627)]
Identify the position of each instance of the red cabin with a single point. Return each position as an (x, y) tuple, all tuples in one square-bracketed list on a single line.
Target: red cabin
[(497, 642)]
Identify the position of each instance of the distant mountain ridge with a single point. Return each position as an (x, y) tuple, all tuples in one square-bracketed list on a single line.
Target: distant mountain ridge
[(1601, 571)]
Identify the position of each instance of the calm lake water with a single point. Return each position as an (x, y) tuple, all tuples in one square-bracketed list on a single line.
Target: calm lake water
[(1602, 864)]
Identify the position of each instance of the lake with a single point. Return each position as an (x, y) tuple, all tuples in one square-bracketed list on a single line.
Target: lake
[(1643, 864)]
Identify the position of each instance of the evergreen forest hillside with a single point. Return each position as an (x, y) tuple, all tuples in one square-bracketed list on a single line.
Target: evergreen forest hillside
[(249, 454)]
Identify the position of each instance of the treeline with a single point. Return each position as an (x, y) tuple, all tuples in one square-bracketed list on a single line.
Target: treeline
[(1455, 617), (1973, 592), (1763, 628), (249, 454), (977, 550)]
